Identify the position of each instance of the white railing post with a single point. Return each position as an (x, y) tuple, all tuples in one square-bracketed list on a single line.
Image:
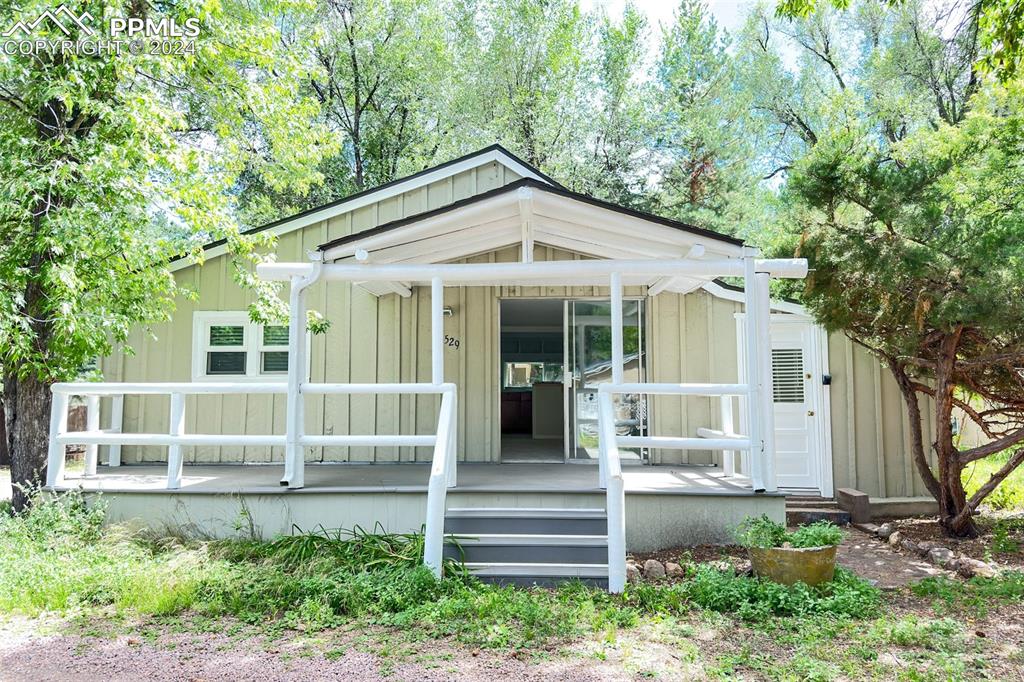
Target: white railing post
[(58, 425), (436, 331), (433, 540), (92, 423), (728, 430), (753, 372), (177, 428), (764, 349), (116, 426), (608, 451), (453, 438)]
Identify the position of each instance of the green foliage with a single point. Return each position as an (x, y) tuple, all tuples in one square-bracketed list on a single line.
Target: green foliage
[(977, 595), (1008, 495), (756, 599), (1001, 24), (764, 533), (817, 534), (58, 557), (115, 164), (760, 532)]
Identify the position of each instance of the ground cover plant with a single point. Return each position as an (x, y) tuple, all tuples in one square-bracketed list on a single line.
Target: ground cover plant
[(761, 532)]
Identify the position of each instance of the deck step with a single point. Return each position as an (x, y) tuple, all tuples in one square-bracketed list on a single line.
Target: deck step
[(539, 574), (490, 521), (540, 549), (529, 545)]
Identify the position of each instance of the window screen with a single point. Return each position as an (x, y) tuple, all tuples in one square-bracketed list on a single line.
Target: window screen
[(788, 375)]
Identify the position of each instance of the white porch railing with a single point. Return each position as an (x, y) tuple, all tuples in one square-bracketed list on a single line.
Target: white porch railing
[(609, 463), (176, 437)]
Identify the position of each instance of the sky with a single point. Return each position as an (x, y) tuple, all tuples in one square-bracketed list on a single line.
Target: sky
[(728, 14)]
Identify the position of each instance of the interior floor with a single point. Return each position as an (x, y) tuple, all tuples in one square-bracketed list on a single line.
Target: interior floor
[(517, 447)]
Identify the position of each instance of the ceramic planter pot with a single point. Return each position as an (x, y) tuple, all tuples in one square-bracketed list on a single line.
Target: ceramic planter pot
[(788, 565)]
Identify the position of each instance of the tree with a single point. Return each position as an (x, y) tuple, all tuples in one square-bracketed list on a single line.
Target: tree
[(704, 137), (1001, 24), (917, 253), (112, 164)]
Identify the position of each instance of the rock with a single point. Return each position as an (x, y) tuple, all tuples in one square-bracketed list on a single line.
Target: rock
[(885, 530), (632, 573), (722, 565), (894, 538), (654, 569), (940, 556), (673, 570), (969, 567), (909, 546)]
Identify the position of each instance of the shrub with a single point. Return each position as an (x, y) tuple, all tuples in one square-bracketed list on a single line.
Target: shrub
[(761, 532), (817, 534)]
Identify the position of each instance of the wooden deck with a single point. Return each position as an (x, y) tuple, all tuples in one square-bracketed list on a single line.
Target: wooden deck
[(410, 478)]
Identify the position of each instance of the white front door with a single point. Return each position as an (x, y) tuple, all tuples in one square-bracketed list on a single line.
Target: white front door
[(796, 379)]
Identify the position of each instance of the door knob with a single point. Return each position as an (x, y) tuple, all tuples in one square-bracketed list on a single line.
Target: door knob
[(810, 413)]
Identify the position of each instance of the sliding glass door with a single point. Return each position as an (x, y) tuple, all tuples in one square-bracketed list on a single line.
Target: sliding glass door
[(589, 360)]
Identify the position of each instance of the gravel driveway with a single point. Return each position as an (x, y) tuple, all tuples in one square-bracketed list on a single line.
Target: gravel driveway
[(60, 654)]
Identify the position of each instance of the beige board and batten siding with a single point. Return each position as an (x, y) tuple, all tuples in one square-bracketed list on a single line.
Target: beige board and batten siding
[(387, 339), (385, 351), (693, 339)]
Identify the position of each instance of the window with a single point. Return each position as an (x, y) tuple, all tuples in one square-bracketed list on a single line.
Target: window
[(526, 374), (226, 345)]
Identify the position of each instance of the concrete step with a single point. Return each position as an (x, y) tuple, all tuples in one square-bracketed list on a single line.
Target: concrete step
[(541, 549), (811, 504), (503, 521), (800, 515)]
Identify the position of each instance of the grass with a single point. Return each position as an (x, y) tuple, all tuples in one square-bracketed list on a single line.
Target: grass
[(1010, 492), (60, 557), (318, 586)]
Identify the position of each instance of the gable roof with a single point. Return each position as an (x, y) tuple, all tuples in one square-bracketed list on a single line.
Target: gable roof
[(489, 154), (532, 184)]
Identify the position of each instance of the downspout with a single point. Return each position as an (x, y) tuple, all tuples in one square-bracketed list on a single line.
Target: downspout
[(294, 459)]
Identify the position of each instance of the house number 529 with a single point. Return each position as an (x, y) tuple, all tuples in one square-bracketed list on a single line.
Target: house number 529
[(451, 341)]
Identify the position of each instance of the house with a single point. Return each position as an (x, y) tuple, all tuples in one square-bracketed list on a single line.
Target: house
[(557, 378)]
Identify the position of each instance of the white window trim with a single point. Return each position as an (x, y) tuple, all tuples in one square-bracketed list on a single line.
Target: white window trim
[(253, 346)]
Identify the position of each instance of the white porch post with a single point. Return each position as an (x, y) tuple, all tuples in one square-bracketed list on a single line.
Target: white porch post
[(753, 378), (174, 454), (764, 347), (617, 361), (92, 423), (58, 426), (295, 421), (116, 426), (436, 331)]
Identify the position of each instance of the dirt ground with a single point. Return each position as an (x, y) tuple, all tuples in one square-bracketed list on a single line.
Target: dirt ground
[(1001, 540), (866, 556)]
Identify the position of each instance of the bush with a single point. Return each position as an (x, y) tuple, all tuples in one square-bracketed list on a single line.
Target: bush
[(761, 532), (756, 599)]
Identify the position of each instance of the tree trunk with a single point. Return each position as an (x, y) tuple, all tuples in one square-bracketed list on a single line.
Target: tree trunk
[(952, 498), (27, 413)]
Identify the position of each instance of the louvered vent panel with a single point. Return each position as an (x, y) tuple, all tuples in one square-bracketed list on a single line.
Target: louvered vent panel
[(788, 375)]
